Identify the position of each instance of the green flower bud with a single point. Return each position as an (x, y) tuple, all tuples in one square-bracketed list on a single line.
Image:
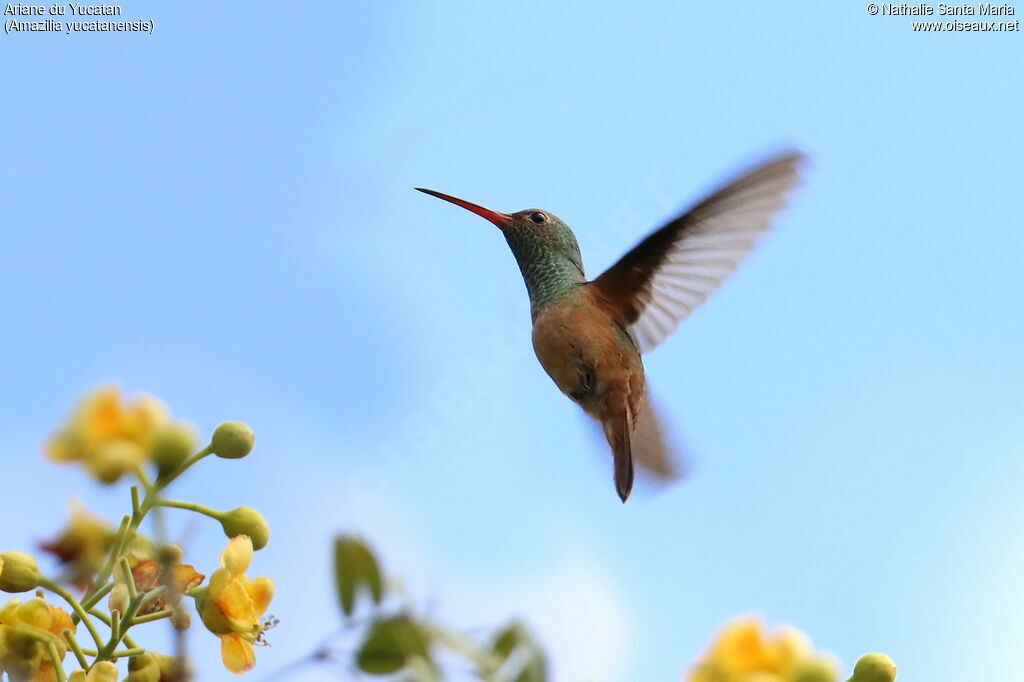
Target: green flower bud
[(19, 572), (102, 671), (153, 667), (119, 598), (144, 668), (247, 521), (174, 668), (172, 446), (874, 668), (232, 440)]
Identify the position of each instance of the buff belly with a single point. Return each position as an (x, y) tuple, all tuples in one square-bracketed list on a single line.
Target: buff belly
[(590, 358)]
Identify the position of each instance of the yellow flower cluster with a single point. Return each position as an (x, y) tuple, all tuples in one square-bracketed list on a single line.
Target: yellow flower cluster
[(743, 652), (26, 630), (108, 434)]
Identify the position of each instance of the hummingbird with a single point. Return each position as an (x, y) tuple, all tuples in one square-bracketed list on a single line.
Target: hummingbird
[(589, 335)]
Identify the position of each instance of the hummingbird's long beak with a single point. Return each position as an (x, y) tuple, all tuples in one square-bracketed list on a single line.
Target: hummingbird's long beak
[(502, 220)]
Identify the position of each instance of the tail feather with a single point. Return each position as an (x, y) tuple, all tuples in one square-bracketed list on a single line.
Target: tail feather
[(617, 431), (652, 446)]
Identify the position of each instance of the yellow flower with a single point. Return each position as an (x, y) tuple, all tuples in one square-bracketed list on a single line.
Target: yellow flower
[(231, 607), (104, 671), (83, 545), (744, 652), (25, 627), (108, 434)]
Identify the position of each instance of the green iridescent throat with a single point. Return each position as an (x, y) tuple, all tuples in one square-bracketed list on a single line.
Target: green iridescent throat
[(550, 271)]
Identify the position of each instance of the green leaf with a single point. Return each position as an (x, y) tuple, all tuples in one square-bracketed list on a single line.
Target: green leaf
[(368, 570), (390, 644), (345, 573), (536, 670), (355, 569), (513, 636), (508, 638)]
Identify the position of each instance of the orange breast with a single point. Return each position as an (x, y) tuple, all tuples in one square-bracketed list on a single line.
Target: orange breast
[(589, 356)]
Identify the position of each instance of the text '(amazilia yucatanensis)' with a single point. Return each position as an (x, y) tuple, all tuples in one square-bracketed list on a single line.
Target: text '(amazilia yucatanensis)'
[(588, 335)]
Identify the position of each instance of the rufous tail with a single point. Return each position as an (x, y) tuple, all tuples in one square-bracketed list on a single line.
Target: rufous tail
[(617, 431)]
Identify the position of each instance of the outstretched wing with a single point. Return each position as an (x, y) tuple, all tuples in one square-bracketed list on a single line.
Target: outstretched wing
[(671, 272)]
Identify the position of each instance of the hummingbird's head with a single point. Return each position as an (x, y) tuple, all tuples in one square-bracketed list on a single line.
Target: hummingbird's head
[(532, 233)]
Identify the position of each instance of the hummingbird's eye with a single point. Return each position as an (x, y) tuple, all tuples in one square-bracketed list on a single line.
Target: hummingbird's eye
[(538, 217)]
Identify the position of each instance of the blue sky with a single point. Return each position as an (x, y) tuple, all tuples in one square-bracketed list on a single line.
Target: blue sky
[(222, 214)]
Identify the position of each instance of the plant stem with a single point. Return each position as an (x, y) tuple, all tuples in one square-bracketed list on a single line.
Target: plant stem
[(96, 613), (129, 579), (58, 665), (91, 597), (114, 549), (69, 637), (106, 620), (191, 506), (150, 617), (129, 525), (79, 611), (486, 662), (106, 652), (190, 461), (115, 626), (158, 518), (87, 604), (152, 594), (143, 478)]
